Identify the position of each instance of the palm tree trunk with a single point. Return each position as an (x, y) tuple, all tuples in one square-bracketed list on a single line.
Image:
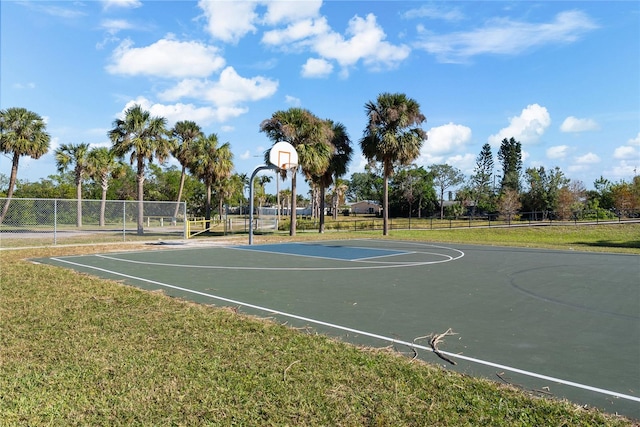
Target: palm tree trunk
[(220, 207), (103, 205), (334, 207), (321, 209), (385, 206), (140, 182), (207, 209), (79, 202), (12, 184), (175, 213), (292, 226)]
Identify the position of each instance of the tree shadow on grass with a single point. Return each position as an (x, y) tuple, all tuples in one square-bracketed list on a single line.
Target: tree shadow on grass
[(612, 244)]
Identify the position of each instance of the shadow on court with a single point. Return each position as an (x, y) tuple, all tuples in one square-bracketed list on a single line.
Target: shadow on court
[(556, 323)]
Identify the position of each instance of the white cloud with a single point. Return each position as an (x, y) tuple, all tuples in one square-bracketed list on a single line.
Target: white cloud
[(503, 36), (573, 124), (21, 86), (364, 40), (298, 33), (229, 21), (366, 43), (230, 90), (179, 111), (445, 139), (123, 4), (634, 141), (528, 127), (292, 100), (54, 10), (288, 11), (464, 162), (623, 170), (316, 68), (114, 26), (588, 159), (433, 12), (583, 163), (625, 152), (246, 155), (557, 152), (166, 58)]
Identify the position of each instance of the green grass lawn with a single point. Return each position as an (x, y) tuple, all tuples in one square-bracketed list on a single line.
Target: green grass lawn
[(76, 350)]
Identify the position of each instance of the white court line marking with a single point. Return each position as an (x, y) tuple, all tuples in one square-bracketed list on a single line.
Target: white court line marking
[(276, 252), (367, 334), (366, 267)]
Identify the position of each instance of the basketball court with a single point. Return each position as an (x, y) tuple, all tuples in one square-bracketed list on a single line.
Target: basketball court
[(556, 323)]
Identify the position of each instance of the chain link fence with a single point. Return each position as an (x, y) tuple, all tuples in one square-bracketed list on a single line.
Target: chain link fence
[(35, 222)]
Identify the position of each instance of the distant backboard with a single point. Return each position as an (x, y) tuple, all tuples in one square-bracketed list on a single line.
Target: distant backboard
[(283, 155)]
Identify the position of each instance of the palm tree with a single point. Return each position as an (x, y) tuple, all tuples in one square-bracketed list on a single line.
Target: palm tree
[(145, 138), (262, 194), (340, 188), (393, 136), (74, 154), (22, 133), (224, 190), (184, 133), (337, 165), (210, 163), (310, 136), (101, 166)]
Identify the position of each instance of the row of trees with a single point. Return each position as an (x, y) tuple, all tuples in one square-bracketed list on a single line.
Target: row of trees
[(538, 191), (393, 136), (391, 142)]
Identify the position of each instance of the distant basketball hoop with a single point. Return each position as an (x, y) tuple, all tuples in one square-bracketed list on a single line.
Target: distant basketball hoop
[(283, 156)]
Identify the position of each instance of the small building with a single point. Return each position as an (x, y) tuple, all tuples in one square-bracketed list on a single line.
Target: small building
[(369, 207)]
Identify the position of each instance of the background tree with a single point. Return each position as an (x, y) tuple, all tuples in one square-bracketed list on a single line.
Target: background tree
[(444, 177), (101, 167), (4, 184), (626, 197), (481, 183), (76, 155), (367, 185), (571, 199), (601, 197), (509, 204), (393, 136), (338, 164), (210, 163), (411, 190), (510, 156), (260, 192), (58, 186), (338, 195), (310, 136), (544, 187), (184, 133), (145, 138), (22, 133)]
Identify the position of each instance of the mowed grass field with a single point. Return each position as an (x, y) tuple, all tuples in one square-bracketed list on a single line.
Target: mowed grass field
[(76, 350)]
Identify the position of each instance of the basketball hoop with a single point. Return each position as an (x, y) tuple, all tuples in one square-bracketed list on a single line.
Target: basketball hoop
[(283, 156)]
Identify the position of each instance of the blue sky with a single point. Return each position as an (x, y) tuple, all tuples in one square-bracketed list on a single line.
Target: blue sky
[(561, 77)]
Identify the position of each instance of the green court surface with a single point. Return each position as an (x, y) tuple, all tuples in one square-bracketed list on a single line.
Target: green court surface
[(557, 323)]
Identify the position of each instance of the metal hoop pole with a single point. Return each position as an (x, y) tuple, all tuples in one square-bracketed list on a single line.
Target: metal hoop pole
[(253, 175)]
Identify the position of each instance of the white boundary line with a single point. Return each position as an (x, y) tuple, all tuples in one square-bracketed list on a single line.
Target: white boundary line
[(368, 334), (376, 263)]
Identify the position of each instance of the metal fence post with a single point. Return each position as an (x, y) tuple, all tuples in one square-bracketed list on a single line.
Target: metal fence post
[(124, 220), (55, 221)]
